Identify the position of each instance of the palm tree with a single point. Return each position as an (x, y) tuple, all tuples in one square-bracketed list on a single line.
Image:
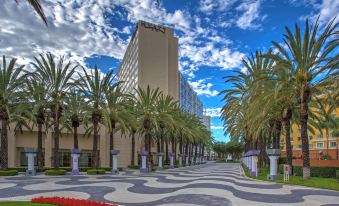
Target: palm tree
[(57, 77), (116, 113), (94, 85), (11, 79), (76, 113), (145, 101), (36, 4), (311, 61), (37, 99)]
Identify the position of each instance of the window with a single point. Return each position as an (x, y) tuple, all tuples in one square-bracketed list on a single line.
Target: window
[(292, 147), (320, 145), (24, 160), (299, 146), (331, 135), (310, 146), (85, 159), (291, 139), (299, 139), (319, 136), (65, 159), (299, 131), (291, 131), (333, 144), (310, 137)]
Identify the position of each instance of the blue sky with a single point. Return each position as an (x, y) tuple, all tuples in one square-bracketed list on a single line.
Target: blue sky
[(214, 35)]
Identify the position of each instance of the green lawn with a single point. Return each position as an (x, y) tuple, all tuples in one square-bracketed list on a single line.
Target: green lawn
[(22, 204), (317, 182)]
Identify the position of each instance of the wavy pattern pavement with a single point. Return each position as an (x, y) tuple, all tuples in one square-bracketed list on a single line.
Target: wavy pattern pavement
[(210, 184)]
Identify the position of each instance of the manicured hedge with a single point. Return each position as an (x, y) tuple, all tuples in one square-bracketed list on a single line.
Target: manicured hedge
[(8, 172), (52, 172), (135, 167), (337, 176), (96, 171), (326, 172)]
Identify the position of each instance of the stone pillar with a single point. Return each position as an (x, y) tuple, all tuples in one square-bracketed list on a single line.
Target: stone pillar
[(187, 161), (160, 160), (31, 154), (75, 159), (114, 154), (180, 160), (254, 170), (143, 155), (171, 156), (273, 154)]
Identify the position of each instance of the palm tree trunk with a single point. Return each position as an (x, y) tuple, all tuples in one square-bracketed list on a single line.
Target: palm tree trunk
[(75, 138), (181, 146), (166, 156), (133, 148), (173, 145), (327, 140), (95, 157), (304, 137), (56, 143), (158, 145), (111, 143), (287, 126), (4, 145), (40, 155)]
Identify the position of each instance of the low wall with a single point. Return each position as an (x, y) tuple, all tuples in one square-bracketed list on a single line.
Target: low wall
[(318, 163)]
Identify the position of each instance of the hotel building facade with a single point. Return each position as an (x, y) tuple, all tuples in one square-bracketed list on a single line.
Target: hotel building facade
[(151, 58)]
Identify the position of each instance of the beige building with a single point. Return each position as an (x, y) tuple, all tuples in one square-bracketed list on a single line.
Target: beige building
[(150, 59)]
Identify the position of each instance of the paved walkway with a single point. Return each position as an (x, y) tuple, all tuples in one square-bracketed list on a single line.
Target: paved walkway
[(213, 184)]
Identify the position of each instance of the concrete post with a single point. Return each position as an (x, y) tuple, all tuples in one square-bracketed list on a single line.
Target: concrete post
[(273, 154), (75, 159), (143, 167), (171, 156), (180, 160), (114, 154), (187, 161), (160, 160), (31, 154)]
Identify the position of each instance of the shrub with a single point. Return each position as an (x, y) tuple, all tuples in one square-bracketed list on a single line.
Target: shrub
[(282, 160), (135, 167), (326, 172), (8, 172), (337, 174), (62, 201), (96, 171), (20, 169), (55, 172), (326, 157)]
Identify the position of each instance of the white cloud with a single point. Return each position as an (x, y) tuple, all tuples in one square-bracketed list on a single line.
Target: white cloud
[(213, 112), (208, 6), (76, 30), (251, 14), (217, 127), (328, 10), (203, 88)]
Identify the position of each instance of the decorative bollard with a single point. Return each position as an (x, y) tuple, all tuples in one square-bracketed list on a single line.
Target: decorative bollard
[(187, 161), (254, 170), (273, 154), (114, 154), (160, 160), (171, 156), (75, 153), (180, 160), (31, 154), (143, 155)]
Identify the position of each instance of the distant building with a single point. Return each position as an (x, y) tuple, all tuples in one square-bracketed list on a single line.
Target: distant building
[(207, 121), (188, 98)]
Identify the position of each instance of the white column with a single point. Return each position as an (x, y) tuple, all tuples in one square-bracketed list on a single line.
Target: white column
[(180, 160), (30, 167), (187, 162), (273, 165), (75, 160), (114, 154)]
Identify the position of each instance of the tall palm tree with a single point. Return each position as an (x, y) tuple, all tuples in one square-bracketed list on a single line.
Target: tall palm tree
[(37, 100), (95, 85), (56, 75), (76, 113), (312, 61), (145, 100), (116, 114), (11, 79)]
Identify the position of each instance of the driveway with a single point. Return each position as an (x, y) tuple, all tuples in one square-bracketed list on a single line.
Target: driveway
[(212, 184)]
